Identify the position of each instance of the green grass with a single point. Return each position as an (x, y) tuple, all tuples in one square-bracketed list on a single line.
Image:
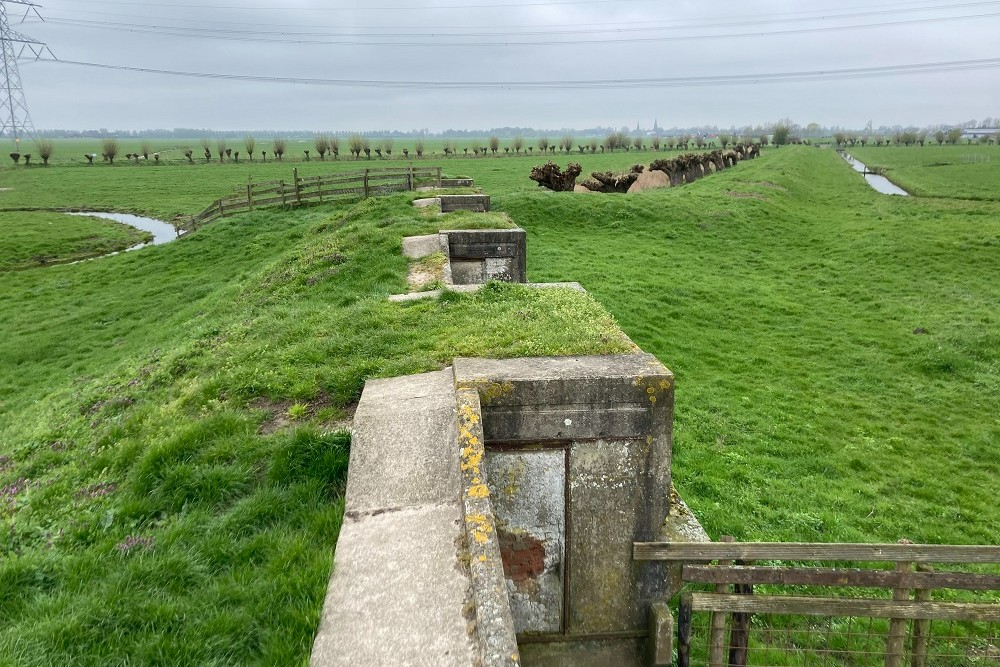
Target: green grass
[(950, 172), (807, 407), (141, 394), (31, 239), (180, 189)]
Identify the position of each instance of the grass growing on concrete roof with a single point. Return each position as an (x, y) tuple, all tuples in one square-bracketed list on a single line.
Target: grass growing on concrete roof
[(173, 465)]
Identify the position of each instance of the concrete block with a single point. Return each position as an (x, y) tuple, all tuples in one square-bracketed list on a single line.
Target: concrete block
[(585, 653), (456, 183), (415, 247), (398, 593), (402, 444), (477, 203), (661, 635)]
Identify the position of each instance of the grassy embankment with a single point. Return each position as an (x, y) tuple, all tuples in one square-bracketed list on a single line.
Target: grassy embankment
[(31, 239), (172, 468), (949, 172), (785, 294)]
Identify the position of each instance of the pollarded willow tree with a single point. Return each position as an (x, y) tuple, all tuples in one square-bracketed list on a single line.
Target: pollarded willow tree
[(45, 149), (109, 149), (249, 143), (278, 147)]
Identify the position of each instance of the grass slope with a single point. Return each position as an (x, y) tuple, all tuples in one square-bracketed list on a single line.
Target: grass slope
[(151, 514), (785, 295), (31, 239), (952, 172)]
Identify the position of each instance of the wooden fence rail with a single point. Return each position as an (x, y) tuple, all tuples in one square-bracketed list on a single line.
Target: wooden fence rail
[(299, 190), (910, 581)]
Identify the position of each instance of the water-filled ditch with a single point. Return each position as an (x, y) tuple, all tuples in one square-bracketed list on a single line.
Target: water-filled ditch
[(162, 232), (877, 181)]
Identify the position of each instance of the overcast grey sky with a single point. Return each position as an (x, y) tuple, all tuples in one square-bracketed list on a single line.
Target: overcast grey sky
[(475, 40)]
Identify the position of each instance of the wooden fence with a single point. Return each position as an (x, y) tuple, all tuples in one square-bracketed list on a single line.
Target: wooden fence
[(299, 190), (733, 603)]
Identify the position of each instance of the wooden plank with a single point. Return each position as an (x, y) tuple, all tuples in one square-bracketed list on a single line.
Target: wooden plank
[(865, 608), (819, 576), (803, 551)]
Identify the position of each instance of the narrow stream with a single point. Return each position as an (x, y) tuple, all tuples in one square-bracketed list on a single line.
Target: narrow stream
[(162, 232), (879, 183)]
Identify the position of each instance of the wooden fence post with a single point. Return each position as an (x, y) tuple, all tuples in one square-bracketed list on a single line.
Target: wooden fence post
[(222, 211), (366, 183), (739, 633), (281, 189), (298, 186), (250, 192), (717, 646), (439, 176), (921, 628), (410, 178), (897, 626), (684, 632)]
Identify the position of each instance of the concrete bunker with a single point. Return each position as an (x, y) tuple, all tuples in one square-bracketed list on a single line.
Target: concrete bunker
[(491, 510), (577, 461), (475, 256)]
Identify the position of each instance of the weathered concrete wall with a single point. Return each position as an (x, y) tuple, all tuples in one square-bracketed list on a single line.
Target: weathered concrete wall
[(477, 203), (478, 256), (600, 427)]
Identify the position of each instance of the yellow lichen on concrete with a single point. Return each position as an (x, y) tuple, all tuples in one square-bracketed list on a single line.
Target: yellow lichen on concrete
[(480, 527), (488, 390), (479, 491)]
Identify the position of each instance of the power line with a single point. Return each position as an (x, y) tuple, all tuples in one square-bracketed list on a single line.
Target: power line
[(538, 30), (655, 82), (547, 3), (715, 22), (282, 37)]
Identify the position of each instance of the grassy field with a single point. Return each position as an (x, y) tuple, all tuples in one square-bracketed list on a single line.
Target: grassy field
[(171, 190), (31, 239), (949, 172), (171, 474)]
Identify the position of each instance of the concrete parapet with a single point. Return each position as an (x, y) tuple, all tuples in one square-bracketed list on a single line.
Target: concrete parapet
[(494, 625), (401, 585), (477, 203)]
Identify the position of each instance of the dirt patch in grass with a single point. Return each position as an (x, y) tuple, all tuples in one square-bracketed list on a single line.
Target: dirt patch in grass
[(287, 412), (425, 272), (746, 195)]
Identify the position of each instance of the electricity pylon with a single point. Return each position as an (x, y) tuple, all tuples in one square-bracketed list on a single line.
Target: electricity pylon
[(15, 121)]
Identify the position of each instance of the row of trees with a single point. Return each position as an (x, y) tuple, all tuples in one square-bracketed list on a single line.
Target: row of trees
[(911, 138)]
